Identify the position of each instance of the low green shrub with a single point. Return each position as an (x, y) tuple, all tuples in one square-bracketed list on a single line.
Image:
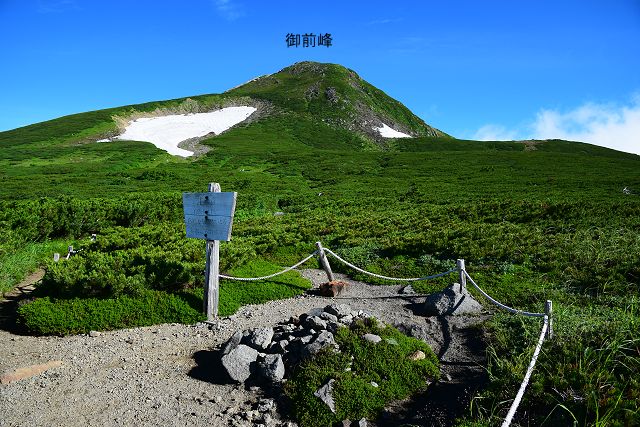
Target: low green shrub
[(47, 316), (135, 305), (357, 368)]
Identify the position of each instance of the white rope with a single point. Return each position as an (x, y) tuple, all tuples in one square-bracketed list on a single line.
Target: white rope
[(499, 304), (386, 277), (250, 279), (525, 381)]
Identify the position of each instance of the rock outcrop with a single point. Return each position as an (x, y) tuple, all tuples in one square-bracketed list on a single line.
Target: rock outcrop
[(265, 354)]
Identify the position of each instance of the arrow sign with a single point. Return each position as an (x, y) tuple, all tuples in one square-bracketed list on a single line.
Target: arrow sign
[(209, 216)]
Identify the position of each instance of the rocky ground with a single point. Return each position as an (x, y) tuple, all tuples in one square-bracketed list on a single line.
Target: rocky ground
[(170, 374)]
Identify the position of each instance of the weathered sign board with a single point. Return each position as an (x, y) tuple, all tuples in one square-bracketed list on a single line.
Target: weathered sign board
[(209, 216)]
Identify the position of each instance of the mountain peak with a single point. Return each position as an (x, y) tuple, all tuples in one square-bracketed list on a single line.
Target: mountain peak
[(339, 97)]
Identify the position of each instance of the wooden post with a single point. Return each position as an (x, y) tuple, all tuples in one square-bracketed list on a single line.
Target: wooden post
[(462, 278), (324, 262), (548, 310), (212, 271)]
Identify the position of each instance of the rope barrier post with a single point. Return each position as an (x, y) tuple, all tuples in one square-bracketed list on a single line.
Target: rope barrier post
[(548, 310), (212, 271), (462, 278), (324, 262)]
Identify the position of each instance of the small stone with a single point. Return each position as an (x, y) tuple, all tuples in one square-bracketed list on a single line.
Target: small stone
[(316, 323), (324, 339), (391, 341), (339, 310), (346, 320), (328, 317), (94, 334), (324, 394), (260, 338), (374, 384), (417, 355), (362, 422), (272, 367), (266, 405), (407, 290), (372, 338)]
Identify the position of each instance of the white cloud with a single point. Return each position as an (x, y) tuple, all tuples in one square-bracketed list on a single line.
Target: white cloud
[(55, 6), (495, 133), (608, 125), (229, 9), (384, 21), (611, 126)]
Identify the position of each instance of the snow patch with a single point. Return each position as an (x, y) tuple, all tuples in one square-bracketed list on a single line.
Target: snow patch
[(166, 132), (388, 132)]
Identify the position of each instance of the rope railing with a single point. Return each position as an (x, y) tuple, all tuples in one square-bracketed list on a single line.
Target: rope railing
[(380, 276), (498, 303), (527, 376), (249, 279), (546, 332)]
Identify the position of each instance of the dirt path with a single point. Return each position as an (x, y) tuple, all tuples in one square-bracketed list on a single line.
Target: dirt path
[(162, 375)]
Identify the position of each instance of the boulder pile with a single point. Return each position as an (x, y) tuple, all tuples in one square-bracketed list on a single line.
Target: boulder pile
[(267, 353)]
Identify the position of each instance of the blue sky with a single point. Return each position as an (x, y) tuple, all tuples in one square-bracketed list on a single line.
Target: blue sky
[(475, 69)]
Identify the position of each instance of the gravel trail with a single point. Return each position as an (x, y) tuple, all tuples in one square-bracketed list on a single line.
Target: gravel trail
[(149, 376)]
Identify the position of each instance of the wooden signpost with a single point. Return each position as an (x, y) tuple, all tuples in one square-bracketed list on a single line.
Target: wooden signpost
[(209, 216)]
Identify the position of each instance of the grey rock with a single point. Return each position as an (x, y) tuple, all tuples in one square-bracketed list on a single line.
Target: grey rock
[(315, 311), (272, 367), (451, 301), (316, 323), (260, 338), (346, 320), (306, 339), (408, 290), (94, 334), (415, 330), (232, 343), (328, 317), (324, 394), (266, 405), (363, 422), (238, 362), (324, 339), (339, 310), (372, 338)]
